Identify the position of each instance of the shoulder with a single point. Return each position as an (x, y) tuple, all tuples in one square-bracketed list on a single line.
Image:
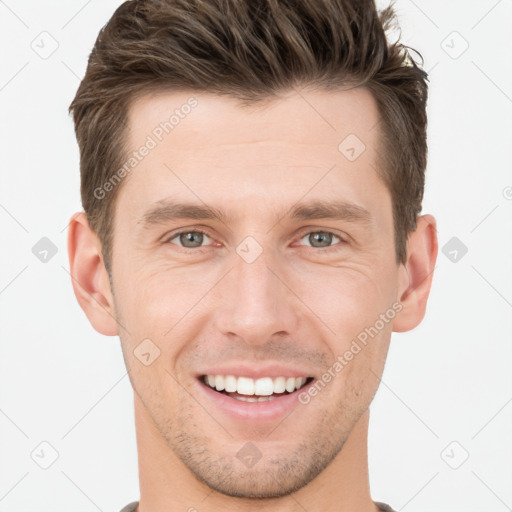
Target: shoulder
[(382, 506), (131, 507)]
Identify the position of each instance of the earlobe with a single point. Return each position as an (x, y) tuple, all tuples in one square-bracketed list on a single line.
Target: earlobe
[(89, 277), (416, 274)]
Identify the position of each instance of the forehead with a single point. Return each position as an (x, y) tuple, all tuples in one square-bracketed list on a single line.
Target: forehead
[(212, 147), (297, 116)]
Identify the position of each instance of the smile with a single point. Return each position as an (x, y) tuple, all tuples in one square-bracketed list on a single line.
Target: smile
[(263, 389)]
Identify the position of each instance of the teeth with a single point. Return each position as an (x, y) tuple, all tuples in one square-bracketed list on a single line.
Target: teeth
[(299, 382), (279, 385), (263, 388), (254, 399), (219, 382), (290, 384), (245, 386), (230, 384)]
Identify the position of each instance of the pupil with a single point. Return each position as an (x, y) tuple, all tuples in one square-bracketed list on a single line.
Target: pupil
[(185, 238), (324, 238)]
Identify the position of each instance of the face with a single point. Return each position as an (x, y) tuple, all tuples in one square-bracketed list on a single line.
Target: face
[(256, 243)]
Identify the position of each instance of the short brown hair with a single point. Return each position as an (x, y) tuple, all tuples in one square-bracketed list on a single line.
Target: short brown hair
[(250, 50)]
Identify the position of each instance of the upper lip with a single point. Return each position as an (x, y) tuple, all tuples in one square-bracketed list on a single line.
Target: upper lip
[(255, 371)]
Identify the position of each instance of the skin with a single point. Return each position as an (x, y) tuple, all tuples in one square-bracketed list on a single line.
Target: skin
[(296, 304)]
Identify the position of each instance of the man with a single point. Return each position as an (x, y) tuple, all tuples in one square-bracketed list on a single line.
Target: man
[(252, 178)]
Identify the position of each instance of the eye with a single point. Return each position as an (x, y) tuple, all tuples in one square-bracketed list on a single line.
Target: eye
[(321, 239), (194, 239), (189, 239)]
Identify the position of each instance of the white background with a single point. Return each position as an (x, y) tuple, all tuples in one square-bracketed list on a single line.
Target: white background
[(448, 381)]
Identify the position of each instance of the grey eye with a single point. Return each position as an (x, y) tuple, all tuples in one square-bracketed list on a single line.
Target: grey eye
[(190, 239), (320, 238)]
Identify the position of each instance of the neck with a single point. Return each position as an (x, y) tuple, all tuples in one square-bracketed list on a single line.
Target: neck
[(166, 484)]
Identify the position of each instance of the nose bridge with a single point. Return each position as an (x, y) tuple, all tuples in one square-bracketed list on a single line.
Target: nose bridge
[(255, 304)]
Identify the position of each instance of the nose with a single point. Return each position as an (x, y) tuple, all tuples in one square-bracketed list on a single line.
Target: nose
[(256, 302)]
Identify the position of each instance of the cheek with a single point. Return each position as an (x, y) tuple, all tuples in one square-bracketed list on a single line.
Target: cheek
[(163, 304), (158, 293), (347, 298), (356, 304), (166, 294)]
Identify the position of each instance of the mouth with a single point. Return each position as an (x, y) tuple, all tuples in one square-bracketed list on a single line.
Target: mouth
[(263, 389)]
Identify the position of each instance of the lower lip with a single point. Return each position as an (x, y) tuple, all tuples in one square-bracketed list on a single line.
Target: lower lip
[(270, 410)]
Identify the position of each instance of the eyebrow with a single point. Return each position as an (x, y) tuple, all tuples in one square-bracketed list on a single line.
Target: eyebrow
[(166, 211)]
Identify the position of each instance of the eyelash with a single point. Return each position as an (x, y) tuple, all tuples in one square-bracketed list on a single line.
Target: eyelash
[(199, 230)]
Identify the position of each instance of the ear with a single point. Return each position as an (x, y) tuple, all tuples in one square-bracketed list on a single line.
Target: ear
[(416, 274), (89, 276)]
